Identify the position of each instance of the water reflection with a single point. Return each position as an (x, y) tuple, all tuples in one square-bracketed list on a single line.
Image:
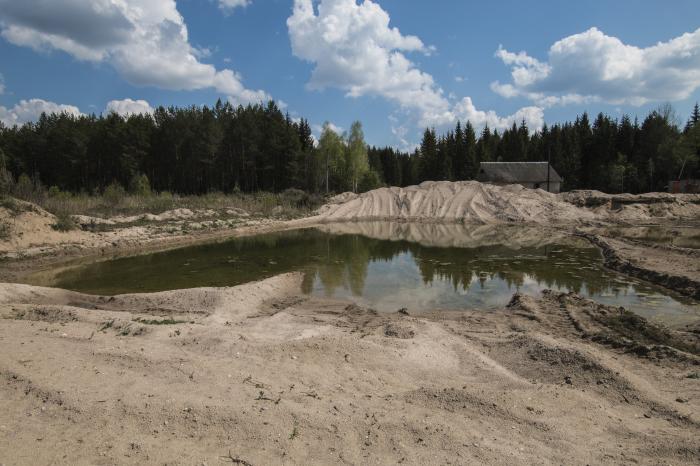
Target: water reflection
[(390, 266)]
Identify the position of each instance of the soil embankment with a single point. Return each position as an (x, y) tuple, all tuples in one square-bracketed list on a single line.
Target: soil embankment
[(260, 375)]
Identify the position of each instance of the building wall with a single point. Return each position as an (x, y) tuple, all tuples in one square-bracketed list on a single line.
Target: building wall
[(554, 187)]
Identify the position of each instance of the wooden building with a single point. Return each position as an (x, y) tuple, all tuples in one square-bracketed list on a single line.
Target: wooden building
[(534, 175)]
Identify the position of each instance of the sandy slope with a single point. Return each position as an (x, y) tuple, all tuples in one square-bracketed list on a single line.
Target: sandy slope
[(270, 377), (474, 202)]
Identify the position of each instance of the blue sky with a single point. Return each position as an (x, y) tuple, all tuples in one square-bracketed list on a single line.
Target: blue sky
[(339, 61)]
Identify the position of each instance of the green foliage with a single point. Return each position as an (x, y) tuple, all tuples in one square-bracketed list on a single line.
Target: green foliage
[(370, 180), (356, 159), (114, 194), (64, 222), (139, 185), (24, 188), (197, 150)]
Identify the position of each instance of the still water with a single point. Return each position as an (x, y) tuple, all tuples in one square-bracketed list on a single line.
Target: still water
[(392, 266)]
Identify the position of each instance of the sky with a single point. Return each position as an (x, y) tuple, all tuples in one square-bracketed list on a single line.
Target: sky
[(398, 66)]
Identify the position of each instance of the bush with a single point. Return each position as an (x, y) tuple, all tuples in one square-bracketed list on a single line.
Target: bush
[(294, 197), (4, 230), (64, 222), (24, 188), (369, 181), (114, 194), (7, 183), (140, 186)]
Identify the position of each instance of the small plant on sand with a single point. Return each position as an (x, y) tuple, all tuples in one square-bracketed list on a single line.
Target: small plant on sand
[(159, 322), (5, 229), (64, 222)]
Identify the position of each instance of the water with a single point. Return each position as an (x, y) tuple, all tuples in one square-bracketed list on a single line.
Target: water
[(392, 266), (679, 236)]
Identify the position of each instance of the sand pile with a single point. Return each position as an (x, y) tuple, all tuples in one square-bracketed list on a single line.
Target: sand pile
[(26, 225), (474, 202), (464, 201)]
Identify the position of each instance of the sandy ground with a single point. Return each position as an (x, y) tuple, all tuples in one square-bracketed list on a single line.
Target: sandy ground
[(259, 375)]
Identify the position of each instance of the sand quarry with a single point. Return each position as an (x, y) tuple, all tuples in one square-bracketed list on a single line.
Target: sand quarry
[(260, 374)]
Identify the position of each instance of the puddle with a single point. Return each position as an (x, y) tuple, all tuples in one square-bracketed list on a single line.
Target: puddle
[(392, 266)]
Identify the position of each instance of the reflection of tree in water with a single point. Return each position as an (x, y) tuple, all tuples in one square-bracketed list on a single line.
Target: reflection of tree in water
[(340, 261), (346, 258)]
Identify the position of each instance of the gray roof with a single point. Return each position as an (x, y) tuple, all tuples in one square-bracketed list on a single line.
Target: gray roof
[(517, 172)]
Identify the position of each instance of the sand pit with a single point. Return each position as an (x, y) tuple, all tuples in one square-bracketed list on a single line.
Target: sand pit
[(259, 374)]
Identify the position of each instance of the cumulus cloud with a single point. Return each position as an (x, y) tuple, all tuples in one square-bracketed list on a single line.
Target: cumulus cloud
[(466, 111), (228, 5), (128, 107), (30, 110), (145, 40), (592, 66), (353, 48)]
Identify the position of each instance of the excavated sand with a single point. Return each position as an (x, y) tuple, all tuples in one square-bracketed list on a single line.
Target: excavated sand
[(258, 374), (475, 202)]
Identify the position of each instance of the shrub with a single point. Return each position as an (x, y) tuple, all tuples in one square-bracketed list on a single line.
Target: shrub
[(369, 181), (7, 183), (114, 194), (4, 230), (64, 222), (294, 197), (24, 188), (139, 185)]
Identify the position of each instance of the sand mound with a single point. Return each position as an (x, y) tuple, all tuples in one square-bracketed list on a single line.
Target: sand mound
[(474, 202), (464, 201), (28, 225)]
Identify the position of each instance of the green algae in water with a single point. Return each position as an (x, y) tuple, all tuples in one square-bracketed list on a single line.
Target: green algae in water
[(387, 274)]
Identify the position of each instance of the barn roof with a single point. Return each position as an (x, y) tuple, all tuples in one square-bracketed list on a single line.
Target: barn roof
[(517, 172)]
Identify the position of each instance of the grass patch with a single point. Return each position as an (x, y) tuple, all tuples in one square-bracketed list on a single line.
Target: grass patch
[(159, 322)]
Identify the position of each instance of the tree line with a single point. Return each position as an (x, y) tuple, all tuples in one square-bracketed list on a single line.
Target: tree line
[(195, 150), (607, 154)]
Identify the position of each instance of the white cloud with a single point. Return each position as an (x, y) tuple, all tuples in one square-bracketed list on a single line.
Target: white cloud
[(2, 84), (318, 129), (228, 5), (30, 110), (353, 48), (466, 111), (146, 41), (594, 67), (128, 107)]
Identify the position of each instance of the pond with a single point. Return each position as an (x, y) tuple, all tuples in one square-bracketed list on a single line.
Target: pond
[(392, 266)]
